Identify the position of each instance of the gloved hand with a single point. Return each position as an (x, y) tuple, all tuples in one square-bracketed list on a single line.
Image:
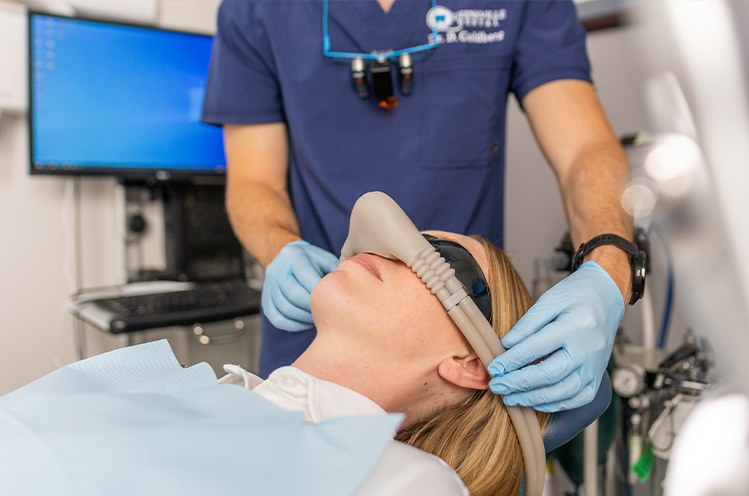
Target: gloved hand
[(289, 279), (575, 321)]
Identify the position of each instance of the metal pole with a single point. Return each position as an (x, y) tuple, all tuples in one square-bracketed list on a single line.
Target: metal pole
[(590, 459)]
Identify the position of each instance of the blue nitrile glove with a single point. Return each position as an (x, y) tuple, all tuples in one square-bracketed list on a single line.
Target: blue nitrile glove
[(289, 280), (576, 320)]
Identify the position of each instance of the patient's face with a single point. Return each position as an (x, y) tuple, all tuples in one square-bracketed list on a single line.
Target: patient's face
[(381, 303)]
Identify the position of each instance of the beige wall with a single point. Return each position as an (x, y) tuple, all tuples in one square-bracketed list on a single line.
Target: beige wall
[(198, 15)]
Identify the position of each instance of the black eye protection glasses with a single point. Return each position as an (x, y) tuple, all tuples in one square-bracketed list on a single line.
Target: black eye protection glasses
[(467, 270)]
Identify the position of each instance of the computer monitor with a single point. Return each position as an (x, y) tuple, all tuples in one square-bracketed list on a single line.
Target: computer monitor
[(119, 99)]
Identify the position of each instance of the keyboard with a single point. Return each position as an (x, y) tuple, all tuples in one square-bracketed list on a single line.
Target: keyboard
[(206, 302)]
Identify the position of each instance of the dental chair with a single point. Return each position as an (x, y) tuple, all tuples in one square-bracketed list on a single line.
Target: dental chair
[(564, 426)]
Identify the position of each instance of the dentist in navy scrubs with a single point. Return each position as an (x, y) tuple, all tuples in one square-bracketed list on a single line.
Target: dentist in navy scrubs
[(324, 100)]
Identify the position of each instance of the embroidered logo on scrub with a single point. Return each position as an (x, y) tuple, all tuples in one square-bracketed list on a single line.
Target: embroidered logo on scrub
[(466, 25)]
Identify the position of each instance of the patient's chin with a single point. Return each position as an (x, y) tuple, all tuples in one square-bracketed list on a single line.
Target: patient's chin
[(340, 305), (328, 297)]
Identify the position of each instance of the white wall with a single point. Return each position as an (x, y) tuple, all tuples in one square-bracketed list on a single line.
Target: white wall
[(535, 220), (36, 266)]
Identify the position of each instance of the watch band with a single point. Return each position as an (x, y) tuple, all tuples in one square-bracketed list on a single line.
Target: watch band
[(637, 259)]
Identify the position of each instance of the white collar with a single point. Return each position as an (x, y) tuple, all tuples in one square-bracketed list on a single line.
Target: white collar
[(295, 390)]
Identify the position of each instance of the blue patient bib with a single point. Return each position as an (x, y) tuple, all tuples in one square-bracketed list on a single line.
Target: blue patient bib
[(134, 422)]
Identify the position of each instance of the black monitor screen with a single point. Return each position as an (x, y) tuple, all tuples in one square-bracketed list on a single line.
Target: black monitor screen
[(117, 99)]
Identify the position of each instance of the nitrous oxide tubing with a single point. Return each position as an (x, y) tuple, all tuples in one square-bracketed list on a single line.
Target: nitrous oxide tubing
[(440, 279)]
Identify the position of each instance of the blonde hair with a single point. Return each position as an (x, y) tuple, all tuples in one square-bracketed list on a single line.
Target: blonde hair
[(476, 436)]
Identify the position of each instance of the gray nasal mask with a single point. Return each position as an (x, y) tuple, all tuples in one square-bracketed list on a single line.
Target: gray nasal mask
[(380, 227)]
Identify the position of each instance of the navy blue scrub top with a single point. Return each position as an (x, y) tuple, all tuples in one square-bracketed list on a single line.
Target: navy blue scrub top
[(439, 154)]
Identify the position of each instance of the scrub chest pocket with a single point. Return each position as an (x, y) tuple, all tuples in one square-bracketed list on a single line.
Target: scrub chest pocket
[(463, 108)]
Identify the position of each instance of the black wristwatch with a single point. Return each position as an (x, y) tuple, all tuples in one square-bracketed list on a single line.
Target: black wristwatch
[(637, 259)]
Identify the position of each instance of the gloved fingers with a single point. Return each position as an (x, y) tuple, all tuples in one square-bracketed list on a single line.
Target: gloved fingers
[(585, 396), (292, 307), (563, 390), (307, 275), (551, 370), (324, 260), (538, 316), (277, 319), (293, 292), (536, 346)]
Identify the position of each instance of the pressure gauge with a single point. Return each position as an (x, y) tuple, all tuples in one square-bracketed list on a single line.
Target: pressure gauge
[(628, 380)]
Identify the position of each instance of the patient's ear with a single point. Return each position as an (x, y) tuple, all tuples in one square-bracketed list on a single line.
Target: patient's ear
[(464, 371)]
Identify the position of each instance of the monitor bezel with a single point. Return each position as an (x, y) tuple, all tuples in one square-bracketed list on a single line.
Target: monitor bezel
[(127, 175)]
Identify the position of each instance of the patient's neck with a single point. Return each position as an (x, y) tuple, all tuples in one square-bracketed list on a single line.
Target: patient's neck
[(403, 387)]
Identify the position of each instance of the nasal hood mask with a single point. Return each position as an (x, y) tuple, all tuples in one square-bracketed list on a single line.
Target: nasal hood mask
[(380, 227)]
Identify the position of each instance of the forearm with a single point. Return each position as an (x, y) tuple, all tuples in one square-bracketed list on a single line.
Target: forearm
[(256, 196), (590, 166), (262, 218), (592, 189)]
